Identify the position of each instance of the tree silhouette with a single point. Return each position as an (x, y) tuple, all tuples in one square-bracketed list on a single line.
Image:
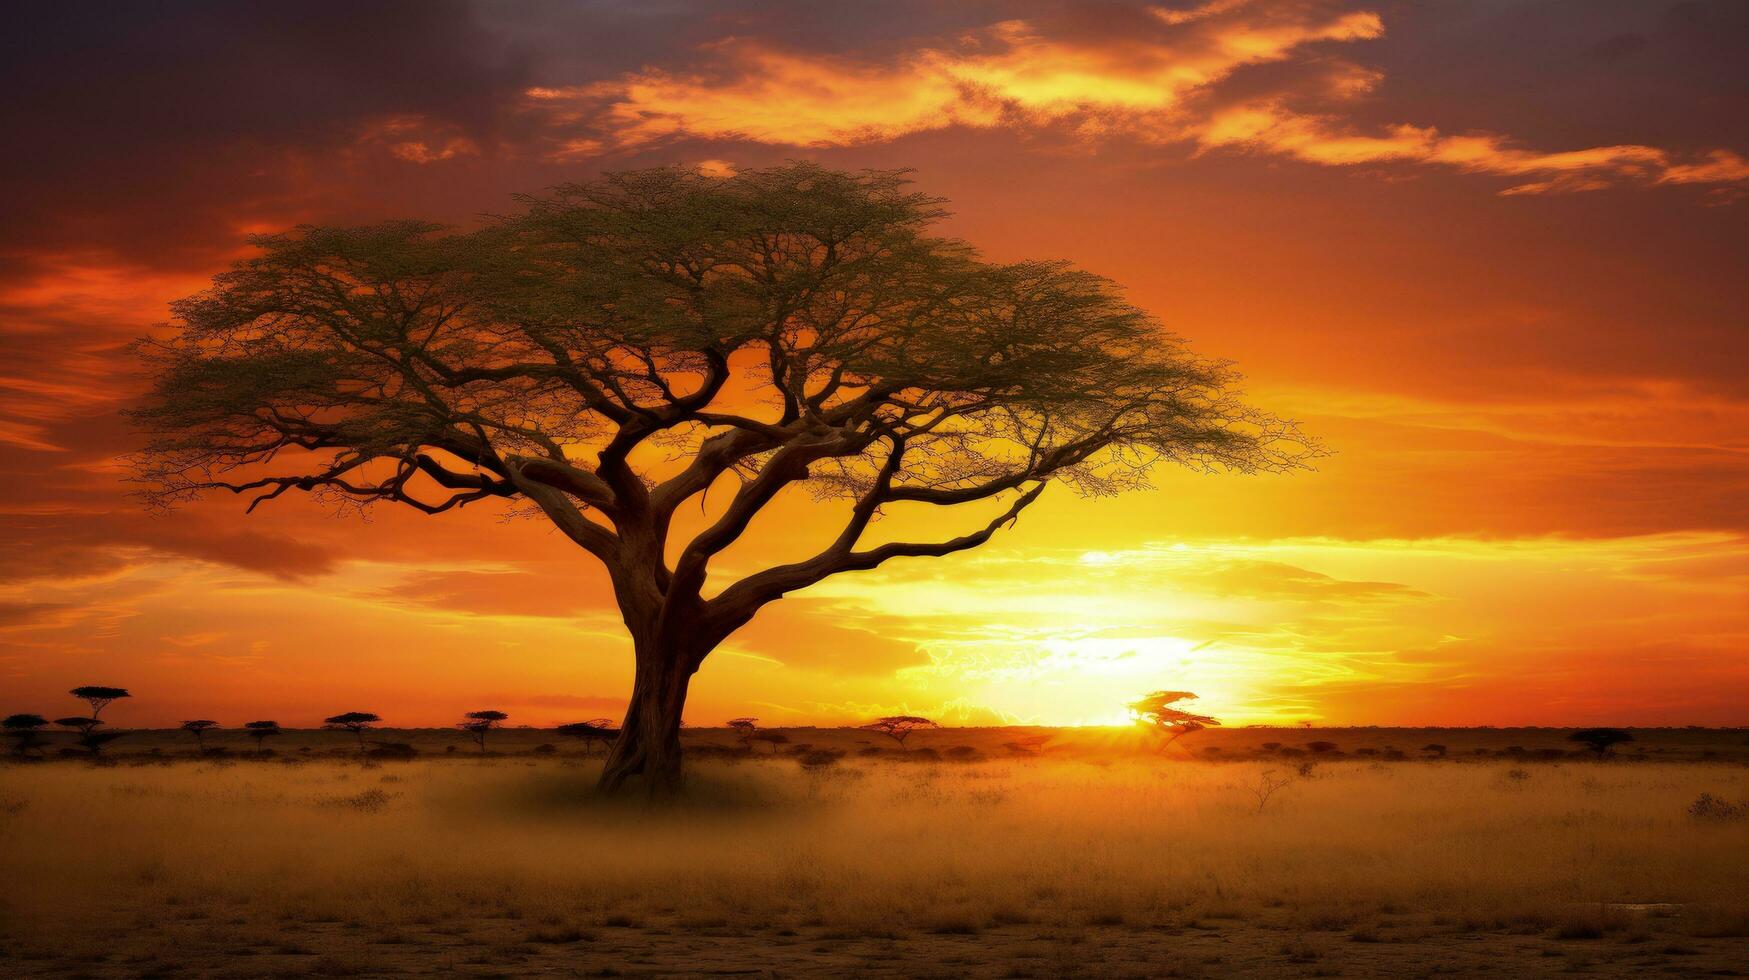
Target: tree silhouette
[(356, 722), (899, 727), (774, 739), (198, 728), (792, 328), (99, 697), (478, 723), (90, 739), (1600, 740), (744, 729), (1157, 712), (261, 731), (590, 732), (25, 730)]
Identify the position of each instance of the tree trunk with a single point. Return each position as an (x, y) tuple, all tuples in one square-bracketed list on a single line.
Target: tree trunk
[(649, 740)]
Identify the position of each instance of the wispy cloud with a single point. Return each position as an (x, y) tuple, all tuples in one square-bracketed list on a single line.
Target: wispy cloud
[(1167, 84)]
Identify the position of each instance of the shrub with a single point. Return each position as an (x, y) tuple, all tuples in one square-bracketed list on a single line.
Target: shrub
[(816, 760), (1710, 807), (392, 751)]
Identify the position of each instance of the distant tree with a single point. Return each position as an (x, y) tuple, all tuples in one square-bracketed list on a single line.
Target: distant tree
[(798, 328), (99, 697), (899, 727), (595, 731), (89, 738), (478, 723), (1158, 713), (261, 731), (198, 728), (744, 728), (1600, 740), (25, 731), (356, 722), (774, 739)]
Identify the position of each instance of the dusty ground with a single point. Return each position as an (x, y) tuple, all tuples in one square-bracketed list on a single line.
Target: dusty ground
[(1085, 865)]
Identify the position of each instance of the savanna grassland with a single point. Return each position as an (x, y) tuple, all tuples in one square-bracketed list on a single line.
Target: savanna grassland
[(1090, 859)]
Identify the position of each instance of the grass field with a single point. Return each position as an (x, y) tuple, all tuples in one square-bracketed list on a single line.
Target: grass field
[(1092, 859)]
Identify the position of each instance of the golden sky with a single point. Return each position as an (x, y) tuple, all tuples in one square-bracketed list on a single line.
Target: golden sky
[(1491, 252)]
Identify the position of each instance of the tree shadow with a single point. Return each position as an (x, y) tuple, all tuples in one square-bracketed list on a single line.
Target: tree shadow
[(715, 793)]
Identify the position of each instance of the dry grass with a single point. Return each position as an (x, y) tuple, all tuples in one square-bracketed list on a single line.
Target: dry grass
[(515, 853)]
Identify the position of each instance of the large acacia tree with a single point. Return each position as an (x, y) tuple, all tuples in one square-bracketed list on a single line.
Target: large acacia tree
[(617, 348)]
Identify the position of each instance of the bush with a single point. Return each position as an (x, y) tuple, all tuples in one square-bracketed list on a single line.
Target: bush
[(1710, 807), (392, 751), (815, 760), (545, 748)]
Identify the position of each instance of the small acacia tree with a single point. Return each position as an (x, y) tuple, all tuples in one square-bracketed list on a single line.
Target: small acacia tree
[(744, 729), (1600, 740), (899, 727), (478, 723), (260, 731), (356, 722), (198, 728), (773, 739), (90, 739), (25, 730), (591, 732), (1158, 712), (792, 329)]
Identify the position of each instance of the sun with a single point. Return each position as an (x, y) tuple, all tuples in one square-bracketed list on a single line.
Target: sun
[(1087, 680)]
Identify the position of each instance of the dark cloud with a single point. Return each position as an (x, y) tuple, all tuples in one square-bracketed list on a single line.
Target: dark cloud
[(1570, 72), (136, 127)]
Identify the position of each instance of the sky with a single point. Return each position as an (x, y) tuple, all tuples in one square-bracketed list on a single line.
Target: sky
[(1492, 253)]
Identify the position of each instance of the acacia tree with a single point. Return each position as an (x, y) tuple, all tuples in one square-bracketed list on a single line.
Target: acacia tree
[(899, 727), (1600, 740), (198, 728), (356, 722), (99, 697), (773, 739), (617, 348), (260, 731), (478, 723), (1159, 713), (744, 729), (25, 730), (590, 732), (90, 739)]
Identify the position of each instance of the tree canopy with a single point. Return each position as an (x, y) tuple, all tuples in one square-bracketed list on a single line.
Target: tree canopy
[(1159, 711)]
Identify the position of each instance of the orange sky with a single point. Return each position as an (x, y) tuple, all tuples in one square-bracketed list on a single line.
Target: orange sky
[(1491, 252)]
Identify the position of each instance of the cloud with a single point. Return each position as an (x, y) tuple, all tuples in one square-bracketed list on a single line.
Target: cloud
[(496, 593), (1189, 80)]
